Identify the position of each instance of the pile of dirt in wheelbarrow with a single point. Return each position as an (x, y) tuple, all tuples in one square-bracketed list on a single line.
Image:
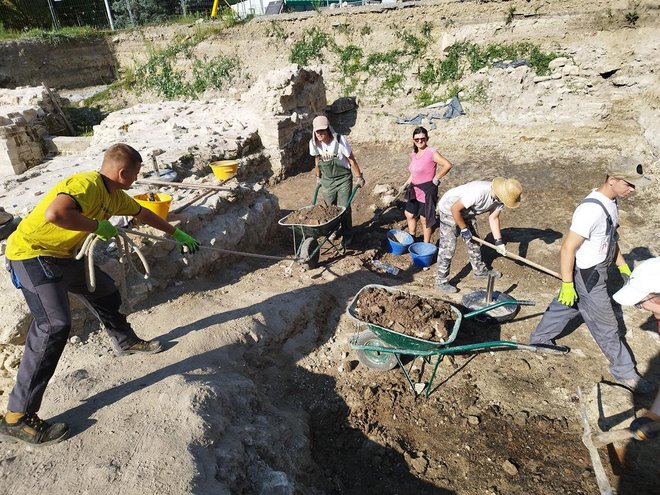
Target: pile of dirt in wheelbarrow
[(427, 319), (317, 215)]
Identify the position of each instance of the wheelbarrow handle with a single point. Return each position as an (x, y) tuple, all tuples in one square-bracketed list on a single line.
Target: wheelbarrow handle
[(316, 193), (485, 309), (526, 302)]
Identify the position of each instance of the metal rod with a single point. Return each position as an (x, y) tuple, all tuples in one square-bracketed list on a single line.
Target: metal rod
[(209, 248), (109, 13), (489, 289), (180, 185)]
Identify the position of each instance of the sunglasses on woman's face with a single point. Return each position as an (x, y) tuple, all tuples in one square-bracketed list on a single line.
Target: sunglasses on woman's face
[(420, 139)]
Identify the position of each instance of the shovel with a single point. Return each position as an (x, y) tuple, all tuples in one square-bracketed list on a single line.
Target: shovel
[(519, 258)]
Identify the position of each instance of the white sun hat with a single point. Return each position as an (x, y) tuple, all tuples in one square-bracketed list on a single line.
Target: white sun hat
[(644, 280)]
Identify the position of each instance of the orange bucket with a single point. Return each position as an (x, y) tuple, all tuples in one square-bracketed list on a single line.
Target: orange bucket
[(161, 205), (224, 169)]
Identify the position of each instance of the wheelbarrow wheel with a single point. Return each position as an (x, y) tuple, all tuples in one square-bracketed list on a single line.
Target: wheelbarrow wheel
[(309, 246), (376, 360)]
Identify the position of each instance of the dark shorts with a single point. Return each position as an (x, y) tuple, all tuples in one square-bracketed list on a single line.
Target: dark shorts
[(415, 207)]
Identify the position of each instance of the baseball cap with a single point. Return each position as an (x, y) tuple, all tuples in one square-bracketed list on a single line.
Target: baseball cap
[(644, 280), (629, 169), (320, 122)]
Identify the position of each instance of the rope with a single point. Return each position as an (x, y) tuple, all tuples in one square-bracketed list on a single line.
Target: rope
[(125, 245)]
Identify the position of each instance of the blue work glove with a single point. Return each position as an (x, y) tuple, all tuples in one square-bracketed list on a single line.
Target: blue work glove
[(186, 241), (567, 295), (639, 428), (466, 234), (105, 230), (436, 181), (360, 181)]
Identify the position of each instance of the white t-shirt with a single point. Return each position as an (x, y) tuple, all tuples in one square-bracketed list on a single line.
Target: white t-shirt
[(589, 221), (326, 151), (475, 196)]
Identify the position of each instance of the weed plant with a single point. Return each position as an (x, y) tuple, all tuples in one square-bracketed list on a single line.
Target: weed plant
[(60, 36), (309, 47)]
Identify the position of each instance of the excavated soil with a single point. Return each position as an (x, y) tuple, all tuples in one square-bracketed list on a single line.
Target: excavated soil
[(427, 319), (316, 215)]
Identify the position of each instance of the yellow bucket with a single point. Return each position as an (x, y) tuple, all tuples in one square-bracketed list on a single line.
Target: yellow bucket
[(224, 169), (161, 205)]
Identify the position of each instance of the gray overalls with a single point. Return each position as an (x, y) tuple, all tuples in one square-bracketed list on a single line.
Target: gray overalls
[(595, 307), (336, 182)]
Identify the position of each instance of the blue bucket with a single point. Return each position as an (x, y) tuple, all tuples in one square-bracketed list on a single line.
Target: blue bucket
[(423, 253), (399, 241)]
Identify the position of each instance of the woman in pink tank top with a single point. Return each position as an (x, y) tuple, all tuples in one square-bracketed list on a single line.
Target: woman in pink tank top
[(426, 167)]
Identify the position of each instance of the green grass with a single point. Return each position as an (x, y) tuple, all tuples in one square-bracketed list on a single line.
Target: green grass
[(63, 35)]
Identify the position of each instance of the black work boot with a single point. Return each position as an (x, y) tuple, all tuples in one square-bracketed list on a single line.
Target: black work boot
[(33, 430)]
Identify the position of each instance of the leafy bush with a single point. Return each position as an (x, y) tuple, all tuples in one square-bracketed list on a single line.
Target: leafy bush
[(142, 11), (309, 47), (18, 15)]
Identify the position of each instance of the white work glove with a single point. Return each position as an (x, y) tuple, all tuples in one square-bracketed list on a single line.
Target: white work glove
[(500, 247), (360, 181), (318, 180), (436, 181)]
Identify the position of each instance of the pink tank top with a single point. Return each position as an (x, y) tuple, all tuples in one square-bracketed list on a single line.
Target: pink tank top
[(423, 170)]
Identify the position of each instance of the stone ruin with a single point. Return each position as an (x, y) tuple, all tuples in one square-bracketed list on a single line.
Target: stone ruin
[(267, 130), (28, 117)]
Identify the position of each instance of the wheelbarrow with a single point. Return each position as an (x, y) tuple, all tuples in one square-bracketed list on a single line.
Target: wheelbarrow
[(381, 348), (309, 239)]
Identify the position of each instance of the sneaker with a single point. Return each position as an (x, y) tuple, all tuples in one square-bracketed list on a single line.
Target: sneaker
[(142, 347), (486, 272), (638, 385), (30, 429), (552, 348), (446, 287)]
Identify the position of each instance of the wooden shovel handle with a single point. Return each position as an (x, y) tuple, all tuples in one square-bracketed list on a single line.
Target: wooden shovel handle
[(519, 258)]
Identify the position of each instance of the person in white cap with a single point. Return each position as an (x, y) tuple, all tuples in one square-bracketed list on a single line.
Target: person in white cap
[(457, 210), (588, 249), (643, 291), (335, 167)]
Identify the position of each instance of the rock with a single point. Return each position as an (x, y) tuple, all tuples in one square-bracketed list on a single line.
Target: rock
[(419, 388), (557, 63), (473, 420), (75, 340), (510, 468), (539, 79), (420, 464)]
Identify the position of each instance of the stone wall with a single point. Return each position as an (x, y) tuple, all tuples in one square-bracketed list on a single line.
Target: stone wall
[(71, 63), (28, 116)]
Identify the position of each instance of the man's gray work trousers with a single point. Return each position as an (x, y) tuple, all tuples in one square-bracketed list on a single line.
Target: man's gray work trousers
[(45, 282), (595, 307), (449, 232)]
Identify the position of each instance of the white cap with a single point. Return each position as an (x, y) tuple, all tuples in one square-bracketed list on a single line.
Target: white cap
[(644, 280)]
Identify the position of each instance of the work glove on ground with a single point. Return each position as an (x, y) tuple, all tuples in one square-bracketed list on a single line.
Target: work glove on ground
[(639, 428), (567, 294), (105, 230), (500, 247), (436, 181), (466, 234), (624, 270), (360, 181), (186, 241)]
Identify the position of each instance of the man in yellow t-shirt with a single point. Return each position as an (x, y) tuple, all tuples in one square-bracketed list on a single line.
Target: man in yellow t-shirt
[(40, 256)]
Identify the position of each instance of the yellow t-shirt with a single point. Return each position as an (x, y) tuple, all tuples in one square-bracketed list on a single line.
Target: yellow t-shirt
[(35, 236)]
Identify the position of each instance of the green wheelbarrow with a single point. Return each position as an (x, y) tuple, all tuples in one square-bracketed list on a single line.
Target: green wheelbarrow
[(381, 348), (309, 239)]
